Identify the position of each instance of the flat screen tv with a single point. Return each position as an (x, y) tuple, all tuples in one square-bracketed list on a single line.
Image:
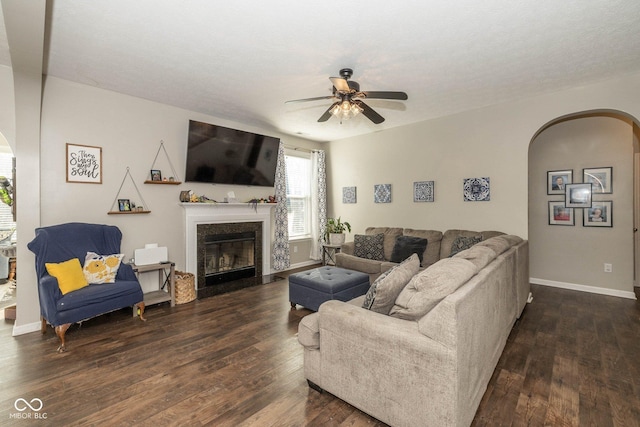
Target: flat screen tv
[(220, 155)]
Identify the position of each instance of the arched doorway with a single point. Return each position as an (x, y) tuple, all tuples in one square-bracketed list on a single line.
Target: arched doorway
[(572, 253)]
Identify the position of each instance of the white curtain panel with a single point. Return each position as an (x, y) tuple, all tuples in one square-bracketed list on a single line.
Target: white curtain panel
[(318, 202), (281, 254)]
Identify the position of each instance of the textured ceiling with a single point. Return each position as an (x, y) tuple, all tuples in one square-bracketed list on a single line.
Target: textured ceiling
[(242, 60)]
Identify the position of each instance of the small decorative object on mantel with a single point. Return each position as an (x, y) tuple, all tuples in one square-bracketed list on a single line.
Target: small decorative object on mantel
[(155, 175), (334, 232)]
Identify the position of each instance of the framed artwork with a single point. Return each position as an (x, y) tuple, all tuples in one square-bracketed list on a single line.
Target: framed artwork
[(578, 195), (600, 214), (382, 193), (423, 191), (476, 189), (84, 164), (600, 179), (156, 175), (557, 180), (124, 205), (560, 215), (349, 195)]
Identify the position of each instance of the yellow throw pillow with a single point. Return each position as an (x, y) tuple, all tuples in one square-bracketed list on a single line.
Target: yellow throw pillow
[(101, 268), (69, 275)]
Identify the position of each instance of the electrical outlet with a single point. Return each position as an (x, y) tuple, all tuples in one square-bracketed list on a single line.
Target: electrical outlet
[(295, 249), (608, 268)]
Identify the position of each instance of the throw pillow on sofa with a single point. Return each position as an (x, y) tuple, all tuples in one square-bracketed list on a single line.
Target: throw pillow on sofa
[(101, 268), (383, 292), (369, 246), (407, 245), (461, 243), (69, 275)]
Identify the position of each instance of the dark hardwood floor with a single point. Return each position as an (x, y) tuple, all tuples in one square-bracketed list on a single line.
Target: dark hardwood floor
[(233, 360)]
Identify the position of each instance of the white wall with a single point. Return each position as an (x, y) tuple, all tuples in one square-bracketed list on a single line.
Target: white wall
[(7, 108), (575, 255)]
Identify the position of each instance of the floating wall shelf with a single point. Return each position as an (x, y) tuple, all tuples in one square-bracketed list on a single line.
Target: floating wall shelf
[(176, 181)]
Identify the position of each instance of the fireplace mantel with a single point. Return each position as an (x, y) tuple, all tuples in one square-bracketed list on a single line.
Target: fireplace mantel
[(216, 213)]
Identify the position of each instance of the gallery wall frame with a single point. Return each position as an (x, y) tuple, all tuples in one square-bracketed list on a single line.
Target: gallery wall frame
[(601, 179), (559, 214), (84, 164), (349, 195), (423, 191), (600, 214), (578, 195), (557, 180)]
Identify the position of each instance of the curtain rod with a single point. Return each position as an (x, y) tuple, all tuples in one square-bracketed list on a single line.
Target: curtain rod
[(306, 150)]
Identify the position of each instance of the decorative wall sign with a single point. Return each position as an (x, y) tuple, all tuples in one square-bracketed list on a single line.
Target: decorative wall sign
[(600, 214), (600, 179), (578, 196), (560, 215), (476, 190), (349, 195), (557, 180), (423, 191), (84, 164), (382, 193)]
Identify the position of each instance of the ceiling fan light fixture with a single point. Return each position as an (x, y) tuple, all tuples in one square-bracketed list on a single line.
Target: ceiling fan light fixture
[(346, 109)]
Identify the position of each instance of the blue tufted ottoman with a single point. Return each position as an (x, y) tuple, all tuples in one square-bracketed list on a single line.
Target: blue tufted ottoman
[(313, 287)]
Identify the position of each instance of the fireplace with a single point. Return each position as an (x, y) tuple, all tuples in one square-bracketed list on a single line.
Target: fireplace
[(228, 245)]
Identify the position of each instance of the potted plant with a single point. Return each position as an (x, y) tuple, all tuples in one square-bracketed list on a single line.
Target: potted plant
[(334, 234)]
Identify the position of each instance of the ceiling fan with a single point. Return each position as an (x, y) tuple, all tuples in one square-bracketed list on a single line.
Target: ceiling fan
[(349, 99)]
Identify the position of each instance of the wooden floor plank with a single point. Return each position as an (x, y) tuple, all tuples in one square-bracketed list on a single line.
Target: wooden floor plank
[(234, 360)]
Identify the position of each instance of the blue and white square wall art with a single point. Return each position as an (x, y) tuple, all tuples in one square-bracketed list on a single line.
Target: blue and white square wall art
[(476, 190), (423, 191), (382, 193), (349, 195)]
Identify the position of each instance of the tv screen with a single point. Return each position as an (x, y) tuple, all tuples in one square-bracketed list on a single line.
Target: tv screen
[(220, 155)]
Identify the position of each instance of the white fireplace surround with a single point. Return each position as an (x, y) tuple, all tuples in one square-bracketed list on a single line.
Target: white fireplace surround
[(220, 213)]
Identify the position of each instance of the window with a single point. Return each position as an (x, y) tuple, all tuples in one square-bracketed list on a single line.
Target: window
[(298, 194)]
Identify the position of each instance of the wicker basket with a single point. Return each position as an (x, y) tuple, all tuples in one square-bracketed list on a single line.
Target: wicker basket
[(185, 287)]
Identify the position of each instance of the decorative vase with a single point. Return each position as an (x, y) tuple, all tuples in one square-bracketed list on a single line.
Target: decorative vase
[(336, 238)]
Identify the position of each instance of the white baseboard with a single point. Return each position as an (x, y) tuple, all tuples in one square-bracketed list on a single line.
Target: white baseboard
[(583, 288), (26, 329)]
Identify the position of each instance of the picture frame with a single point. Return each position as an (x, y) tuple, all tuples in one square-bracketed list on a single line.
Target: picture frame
[(578, 195), (124, 205), (600, 178), (559, 214), (84, 164), (600, 214), (382, 193), (476, 189), (423, 191), (349, 195), (554, 186), (156, 175)]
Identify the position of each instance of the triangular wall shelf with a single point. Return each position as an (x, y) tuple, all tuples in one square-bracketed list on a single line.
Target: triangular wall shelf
[(175, 181), (127, 210)]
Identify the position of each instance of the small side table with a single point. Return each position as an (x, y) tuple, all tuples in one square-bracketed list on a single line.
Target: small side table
[(330, 251), (156, 297)]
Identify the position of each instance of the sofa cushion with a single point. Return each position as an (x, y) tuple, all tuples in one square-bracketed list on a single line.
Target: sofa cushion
[(369, 246), (497, 244), (101, 268), (407, 245), (390, 235), (383, 292), (434, 238), (462, 243), (431, 286), (69, 274), (480, 256)]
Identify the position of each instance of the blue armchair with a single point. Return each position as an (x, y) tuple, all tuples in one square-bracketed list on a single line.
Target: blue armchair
[(59, 243)]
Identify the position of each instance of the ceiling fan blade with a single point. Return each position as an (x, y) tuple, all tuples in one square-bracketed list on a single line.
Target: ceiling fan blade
[(385, 95), (340, 84), (327, 114), (310, 99), (370, 113)]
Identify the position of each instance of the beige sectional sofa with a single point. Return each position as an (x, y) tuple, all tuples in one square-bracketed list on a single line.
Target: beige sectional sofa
[(427, 362), (438, 247)]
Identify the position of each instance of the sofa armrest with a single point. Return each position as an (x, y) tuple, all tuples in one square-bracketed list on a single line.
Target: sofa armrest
[(125, 272), (48, 293), (352, 262)]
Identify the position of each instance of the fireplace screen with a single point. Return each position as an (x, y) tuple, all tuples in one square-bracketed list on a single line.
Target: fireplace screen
[(229, 257)]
